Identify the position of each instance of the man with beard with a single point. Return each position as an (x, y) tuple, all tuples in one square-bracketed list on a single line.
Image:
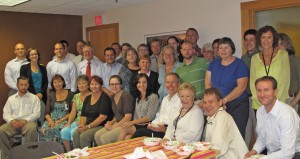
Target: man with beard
[(193, 68), (20, 112)]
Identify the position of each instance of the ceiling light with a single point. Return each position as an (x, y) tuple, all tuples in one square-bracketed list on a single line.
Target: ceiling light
[(11, 3)]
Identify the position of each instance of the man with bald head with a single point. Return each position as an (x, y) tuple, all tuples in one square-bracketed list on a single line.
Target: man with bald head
[(12, 68)]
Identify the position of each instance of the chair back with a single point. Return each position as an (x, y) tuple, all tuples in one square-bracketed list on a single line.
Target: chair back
[(36, 150)]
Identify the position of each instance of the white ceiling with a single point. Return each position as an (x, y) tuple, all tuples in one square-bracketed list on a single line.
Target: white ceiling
[(71, 7)]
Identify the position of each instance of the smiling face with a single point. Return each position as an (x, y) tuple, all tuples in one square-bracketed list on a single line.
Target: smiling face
[(110, 57), (172, 42), (88, 53), (155, 47), (211, 104), (115, 85), (250, 42), (33, 56), (59, 50), (142, 84), (143, 51), (58, 84), (82, 85), (267, 39), (168, 56), (265, 93), (172, 84), (20, 50), (79, 47), (95, 87), (225, 50), (208, 55), (192, 37), (117, 49), (186, 97), (131, 56), (144, 65)]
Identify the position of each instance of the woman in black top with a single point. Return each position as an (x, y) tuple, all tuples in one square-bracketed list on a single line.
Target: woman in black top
[(96, 111)]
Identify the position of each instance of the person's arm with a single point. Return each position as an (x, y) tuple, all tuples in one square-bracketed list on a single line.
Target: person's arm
[(283, 77), (208, 79), (297, 70), (72, 114), (44, 80), (238, 90), (8, 77), (73, 75), (153, 106), (7, 112)]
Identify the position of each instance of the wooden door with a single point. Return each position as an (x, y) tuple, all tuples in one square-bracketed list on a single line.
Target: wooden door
[(101, 37)]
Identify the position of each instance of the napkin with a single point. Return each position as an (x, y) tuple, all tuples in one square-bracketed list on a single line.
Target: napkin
[(140, 153)]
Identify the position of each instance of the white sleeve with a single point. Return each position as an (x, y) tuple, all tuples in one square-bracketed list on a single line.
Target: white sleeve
[(8, 78)]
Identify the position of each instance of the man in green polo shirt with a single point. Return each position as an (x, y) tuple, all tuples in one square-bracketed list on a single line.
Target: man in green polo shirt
[(192, 69)]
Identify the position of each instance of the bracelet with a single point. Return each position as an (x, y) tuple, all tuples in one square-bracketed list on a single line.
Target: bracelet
[(89, 126)]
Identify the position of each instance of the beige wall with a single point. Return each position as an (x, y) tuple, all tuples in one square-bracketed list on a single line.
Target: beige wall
[(212, 19)]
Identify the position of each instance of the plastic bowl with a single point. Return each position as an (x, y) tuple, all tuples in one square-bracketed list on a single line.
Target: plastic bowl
[(201, 146), (149, 141), (171, 145), (185, 150)]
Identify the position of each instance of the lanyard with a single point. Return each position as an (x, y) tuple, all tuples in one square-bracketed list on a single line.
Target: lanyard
[(175, 122), (267, 70)]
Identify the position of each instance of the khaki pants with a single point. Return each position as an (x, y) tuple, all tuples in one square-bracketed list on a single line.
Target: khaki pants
[(81, 140), (104, 136), (29, 131)]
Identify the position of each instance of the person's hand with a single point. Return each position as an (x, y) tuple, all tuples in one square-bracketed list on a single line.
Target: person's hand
[(57, 122), (15, 123), (250, 153), (51, 123), (294, 102), (108, 125), (126, 124), (164, 141), (158, 128), (110, 93), (66, 125), (39, 95), (81, 128), (22, 122)]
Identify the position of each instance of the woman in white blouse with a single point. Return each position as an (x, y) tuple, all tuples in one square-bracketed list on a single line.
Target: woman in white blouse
[(187, 126)]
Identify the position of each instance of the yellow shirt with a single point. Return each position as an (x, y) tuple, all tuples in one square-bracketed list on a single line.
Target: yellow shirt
[(280, 70)]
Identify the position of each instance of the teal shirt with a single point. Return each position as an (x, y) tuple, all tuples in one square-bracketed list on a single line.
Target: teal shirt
[(194, 73)]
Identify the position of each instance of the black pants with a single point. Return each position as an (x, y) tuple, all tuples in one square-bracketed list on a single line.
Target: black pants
[(147, 132), (297, 155), (239, 110)]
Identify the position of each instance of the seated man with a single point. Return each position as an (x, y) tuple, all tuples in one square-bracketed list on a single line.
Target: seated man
[(277, 124), (169, 109), (20, 112), (221, 129)]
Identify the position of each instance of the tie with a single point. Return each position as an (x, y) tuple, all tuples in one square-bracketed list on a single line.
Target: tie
[(88, 69)]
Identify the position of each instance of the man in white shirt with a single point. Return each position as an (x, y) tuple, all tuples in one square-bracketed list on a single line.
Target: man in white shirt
[(169, 109), (83, 66), (20, 112), (66, 68), (68, 55), (12, 68), (221, 129), (79, 47), (277, 124)]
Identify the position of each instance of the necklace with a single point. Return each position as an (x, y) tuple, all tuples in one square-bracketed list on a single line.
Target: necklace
[(267, 70)]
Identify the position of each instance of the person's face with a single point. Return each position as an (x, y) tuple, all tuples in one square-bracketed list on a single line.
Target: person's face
[(117, 49), (186, 97), (225, 51), (95, 86), (155, 47), (192, 37), (82, 85), (172, 42), (124, 49), (168, 56), (250, 42), (142, 84), (187, 51), (281, 45), (265, 93), (172, 84), (208, 55), (79, 47), (143, 51), (110, 57), (20, 50), (23, 86), (211, 104), (267, 39), (88, 53), (58, 84), (144, 64), (216, 49), (131, 57), (59, 50), (115, 85), (33, 56)]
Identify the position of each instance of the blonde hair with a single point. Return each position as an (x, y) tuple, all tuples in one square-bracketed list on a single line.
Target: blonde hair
[(189, 86), (163, 50)]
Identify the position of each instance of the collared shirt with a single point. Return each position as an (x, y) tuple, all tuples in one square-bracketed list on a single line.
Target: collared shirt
[(194, 73), (278, 131), (80, 58), (94, 66), (198, 51), (69, 56), (119, 59), (169, 109), (25, 107), (12, 72), (67, 69), (223, 133), (107, 70), (153, 66)]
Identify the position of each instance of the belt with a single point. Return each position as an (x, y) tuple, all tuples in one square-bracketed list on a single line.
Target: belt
[(292, 94)]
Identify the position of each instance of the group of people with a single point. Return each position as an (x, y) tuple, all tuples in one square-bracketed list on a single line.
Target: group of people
[(166, 91)]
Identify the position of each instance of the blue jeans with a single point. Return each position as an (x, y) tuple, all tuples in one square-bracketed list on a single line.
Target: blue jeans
[(67, 132)]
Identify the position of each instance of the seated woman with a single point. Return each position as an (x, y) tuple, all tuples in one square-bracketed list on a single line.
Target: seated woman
[(145, 108), (221, 129), (72, 124), (123, 107), (38, 80), (96, 111), (187, 126), (57, 109)]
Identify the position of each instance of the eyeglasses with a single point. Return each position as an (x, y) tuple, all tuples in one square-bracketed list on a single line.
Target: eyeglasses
[(115, 84)]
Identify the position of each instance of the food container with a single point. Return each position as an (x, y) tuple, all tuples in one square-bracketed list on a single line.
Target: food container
[(171, 145), (152, 141)]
